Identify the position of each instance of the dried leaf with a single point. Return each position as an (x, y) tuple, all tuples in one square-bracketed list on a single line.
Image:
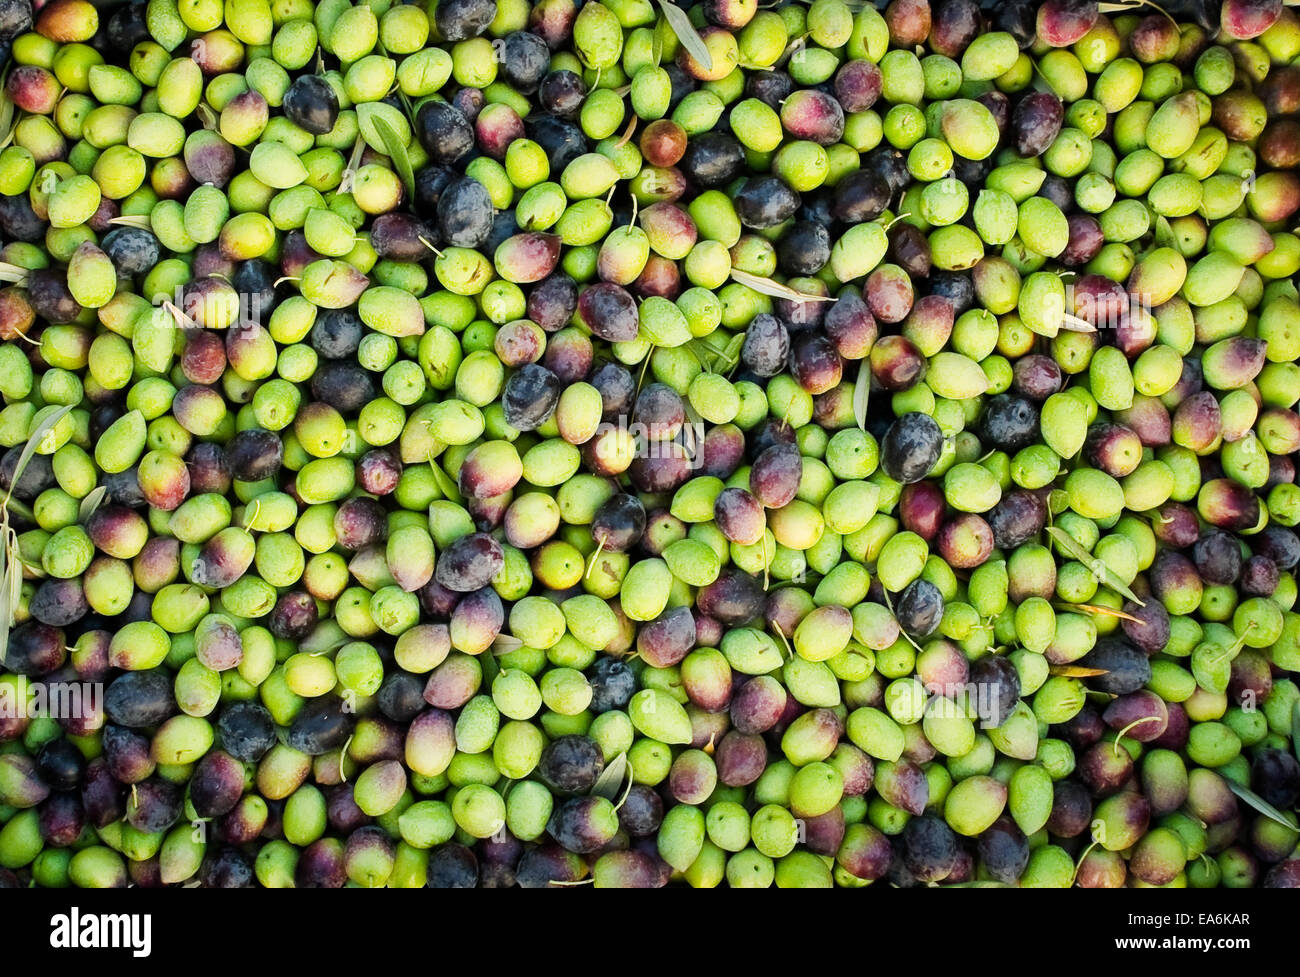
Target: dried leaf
[(1099, 610), (12, 273), (1076, 671), (133, 220), (1258, 803), (397, 153), (91, 502), (343, 755), (785, 644), (1072, 323), (775, 289), (504, 643), (862, 394), (1098, 568), (610, 782), (687, 34)]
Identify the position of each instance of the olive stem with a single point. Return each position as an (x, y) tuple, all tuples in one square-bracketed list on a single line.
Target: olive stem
[(1137, 722), (627, 133), (343, 753), (1079, 864), (591, 563)]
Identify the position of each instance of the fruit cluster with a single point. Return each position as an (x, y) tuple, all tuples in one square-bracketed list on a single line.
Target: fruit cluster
[(493, 442)]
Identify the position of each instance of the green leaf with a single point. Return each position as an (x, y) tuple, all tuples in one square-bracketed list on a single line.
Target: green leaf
[(1165, 237), (862, 394), (29, 449), (1098, 567), (734, 346), (11, 586), (445, 485), (690, 438), (1295, 730), (693, 347), (6, 110), (91, 502), (608, 783), (1258, 803), (687, 34), (397, 153), (20, 509)]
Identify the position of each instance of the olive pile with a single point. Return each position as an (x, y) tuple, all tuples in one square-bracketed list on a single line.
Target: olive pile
[(493, 442)]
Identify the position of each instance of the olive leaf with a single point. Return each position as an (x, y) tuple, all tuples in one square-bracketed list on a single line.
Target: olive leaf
[(445, 485), (1076, 671), (690, 438), (610, 781), (20, 509), (768, 286), (1258, 803), (11, 582), (1164, 233), (1096, 566), (133, 220), (91, 502), (397, 153), (504, 643), (12, 273), (1295, 730), (687, 34), (6, 109), (693, 347), (862, 394), (33, 442), (408, 108), (1098, 610), (723, 359), (1072, 323), (734, 346)]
